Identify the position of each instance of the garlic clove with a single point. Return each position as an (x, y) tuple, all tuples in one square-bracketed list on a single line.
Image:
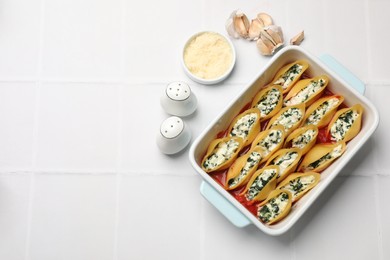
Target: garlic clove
[(267, 39), (297, 39), (255, 29), (264, 49), (271, 38), (265, 19), (229, 26), (241, 24), (275, 32)]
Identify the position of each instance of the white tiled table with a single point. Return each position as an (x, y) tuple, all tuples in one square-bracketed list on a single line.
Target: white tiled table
[(79, 177)]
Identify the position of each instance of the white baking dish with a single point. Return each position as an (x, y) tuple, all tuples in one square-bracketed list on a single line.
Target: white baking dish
[(341, 82)]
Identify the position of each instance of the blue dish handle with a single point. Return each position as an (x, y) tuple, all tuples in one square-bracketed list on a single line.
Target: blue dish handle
[(343, 72), (221, 203)]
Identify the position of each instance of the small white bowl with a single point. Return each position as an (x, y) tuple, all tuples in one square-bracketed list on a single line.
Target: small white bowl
[(174, 135), (178, 99), (210, 81)]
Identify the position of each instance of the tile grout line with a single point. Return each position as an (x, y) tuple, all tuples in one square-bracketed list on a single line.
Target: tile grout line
[(35, 131), (136, 83), (119, 176), (378, 216)]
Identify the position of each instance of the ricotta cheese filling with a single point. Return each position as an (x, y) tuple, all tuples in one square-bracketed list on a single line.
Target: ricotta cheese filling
[(222, 152), (285, 161), (273, 208), (268, 103), (270, 142), (315, 117), (342, 125), (253, 159), (243, 125), (303, 139), (336, 152), (259, 183), (299, 184), (312, 88), (289, 76), (289, 118)]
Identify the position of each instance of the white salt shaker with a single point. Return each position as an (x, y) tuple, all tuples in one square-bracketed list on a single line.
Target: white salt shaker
[(174, 135), (178, 99)]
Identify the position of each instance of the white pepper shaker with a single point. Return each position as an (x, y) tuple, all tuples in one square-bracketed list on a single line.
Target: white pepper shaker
[(174, 135), (178, 99)]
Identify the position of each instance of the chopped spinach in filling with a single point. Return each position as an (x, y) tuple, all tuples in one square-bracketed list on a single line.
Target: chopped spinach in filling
[(259, 183), (342, 125), (289, 118), (298, 185), (336, 152), (289, 76), (315, 117), (273, 208), (270, 142), (222, 153), (268, 102), (303, 139), (251, 162), (242, 127), (312, 88), (284, 161)]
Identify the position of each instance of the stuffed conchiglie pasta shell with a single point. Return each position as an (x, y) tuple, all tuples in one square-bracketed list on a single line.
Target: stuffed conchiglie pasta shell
[(275, 207), (322, 110), (302, 138), (289, 74), (242, 169), (306, 91), (298, 184), (269, 141), (346, 123), (261, 183), (321, 156), (269, 101), (221, 153), (287, 160), (246, 125), (289, 117)]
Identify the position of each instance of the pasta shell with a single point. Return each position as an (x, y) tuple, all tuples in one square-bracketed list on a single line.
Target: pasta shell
[(269, 141), (287, 160), (275, 207), (269, 101), (302, 138), (346, 123), (261, 183), (246, 125), (289, 74), (289, 117), (306, 91), (242, 169), (221, 153), (321, 156), (299, 183), (321, 111)]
